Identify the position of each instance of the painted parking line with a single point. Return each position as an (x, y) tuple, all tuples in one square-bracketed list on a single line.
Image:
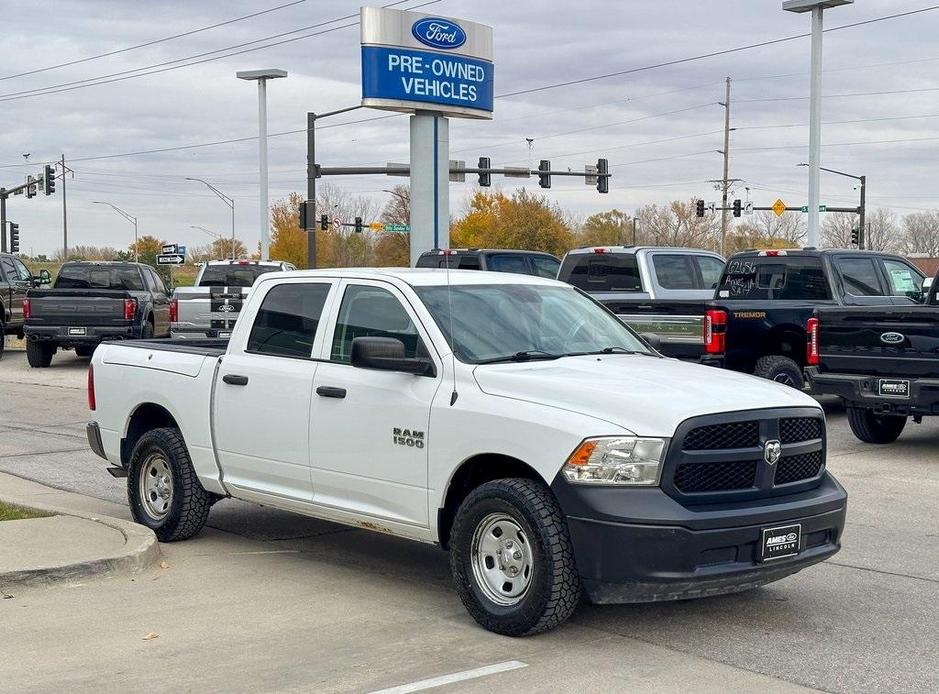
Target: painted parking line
[(421, 685)]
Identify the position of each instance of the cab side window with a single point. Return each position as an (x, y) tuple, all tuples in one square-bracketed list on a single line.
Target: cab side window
[(371, 312), (860, 277), (287, 320), (157, 281), (711, 270)]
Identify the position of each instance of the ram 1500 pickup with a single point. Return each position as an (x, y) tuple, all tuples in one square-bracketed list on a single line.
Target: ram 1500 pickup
[(507, 418)]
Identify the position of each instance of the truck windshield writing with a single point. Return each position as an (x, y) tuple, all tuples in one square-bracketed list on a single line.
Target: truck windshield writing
[(774, 278)]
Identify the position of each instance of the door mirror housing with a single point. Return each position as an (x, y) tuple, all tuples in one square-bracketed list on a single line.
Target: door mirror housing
[(387, 354), (927, 285), (42, 278)]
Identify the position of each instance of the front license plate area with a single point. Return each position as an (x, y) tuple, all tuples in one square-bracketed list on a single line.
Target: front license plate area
[(781, 541), (893, 388), (77, 331)]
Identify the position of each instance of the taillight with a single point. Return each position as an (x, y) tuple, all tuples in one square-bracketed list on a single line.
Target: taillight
[(130, 308), (174, 310), (91, 387), (811, 344), (715, 331), (27, 309)]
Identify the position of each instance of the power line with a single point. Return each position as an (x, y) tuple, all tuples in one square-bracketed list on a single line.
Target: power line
[(153, 42), (169, 65), (838, 122), (839, 144), (727, 51), (839, 96)]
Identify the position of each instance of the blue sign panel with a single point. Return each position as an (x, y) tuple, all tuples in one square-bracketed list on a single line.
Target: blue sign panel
[(405, 74), (439, 33)]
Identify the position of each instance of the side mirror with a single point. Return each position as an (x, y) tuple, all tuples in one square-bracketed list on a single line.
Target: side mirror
[(43, 278), (927, 285), (653, 340), (387, 354)]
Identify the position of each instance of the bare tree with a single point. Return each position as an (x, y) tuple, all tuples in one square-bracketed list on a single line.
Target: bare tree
[(920, 234), (766, 228), (883, 231), (398, 209), (677, 225), (836, 229)]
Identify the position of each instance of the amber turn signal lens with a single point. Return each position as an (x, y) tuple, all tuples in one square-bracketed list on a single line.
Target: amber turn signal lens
[(582, 455)]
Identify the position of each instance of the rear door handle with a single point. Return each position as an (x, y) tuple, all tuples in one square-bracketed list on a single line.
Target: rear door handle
[(331, 392), (234, 380)]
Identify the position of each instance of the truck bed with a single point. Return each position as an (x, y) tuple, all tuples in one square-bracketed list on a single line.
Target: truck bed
[(206, 347)]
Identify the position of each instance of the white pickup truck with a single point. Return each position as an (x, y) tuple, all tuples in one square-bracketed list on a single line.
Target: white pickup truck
[(510, 419)]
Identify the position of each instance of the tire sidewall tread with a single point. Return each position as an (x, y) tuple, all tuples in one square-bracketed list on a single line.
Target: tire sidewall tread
[(873, 428), (772, 365)]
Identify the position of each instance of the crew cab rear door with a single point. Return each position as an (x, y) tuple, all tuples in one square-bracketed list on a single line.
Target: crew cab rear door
[(369, 428), (262, 402)]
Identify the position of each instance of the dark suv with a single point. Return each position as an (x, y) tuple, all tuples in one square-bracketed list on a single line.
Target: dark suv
[(15, 281), (495, 260)]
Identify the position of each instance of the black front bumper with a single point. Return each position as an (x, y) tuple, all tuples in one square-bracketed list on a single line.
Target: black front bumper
[(862, 391), (641, 545), (64, 336)]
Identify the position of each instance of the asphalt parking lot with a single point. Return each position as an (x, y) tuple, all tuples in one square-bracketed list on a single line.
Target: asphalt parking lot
[(266, 600)]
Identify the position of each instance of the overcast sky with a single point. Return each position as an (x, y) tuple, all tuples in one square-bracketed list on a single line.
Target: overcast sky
[(654, 157)]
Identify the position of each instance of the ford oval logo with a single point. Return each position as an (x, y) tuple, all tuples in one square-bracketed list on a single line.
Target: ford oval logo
[(892, 338), (439, 33)]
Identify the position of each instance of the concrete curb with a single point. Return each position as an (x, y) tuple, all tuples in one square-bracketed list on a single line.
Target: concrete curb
[(141, 550)]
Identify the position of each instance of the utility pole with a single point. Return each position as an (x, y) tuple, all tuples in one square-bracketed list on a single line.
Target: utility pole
[(725, 183), (64, 215), (3, 220), (311, 190), (863, 235), (635, 226)]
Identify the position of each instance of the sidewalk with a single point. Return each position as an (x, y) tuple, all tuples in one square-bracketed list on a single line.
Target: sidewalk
[(74, 543)]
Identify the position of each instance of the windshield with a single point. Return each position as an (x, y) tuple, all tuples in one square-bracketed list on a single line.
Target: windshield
[(515, 322), (126, 277), (233, 275)]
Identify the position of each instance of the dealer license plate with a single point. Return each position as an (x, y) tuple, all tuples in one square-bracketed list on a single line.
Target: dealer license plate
[(893, 388), (781, 541), (77, 331), (226, 334)]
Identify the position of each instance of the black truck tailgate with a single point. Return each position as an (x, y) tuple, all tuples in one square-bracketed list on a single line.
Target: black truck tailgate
[(879, 340), (77, 307)]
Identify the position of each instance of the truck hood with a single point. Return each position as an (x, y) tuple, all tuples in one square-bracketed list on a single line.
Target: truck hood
[(645, 395)]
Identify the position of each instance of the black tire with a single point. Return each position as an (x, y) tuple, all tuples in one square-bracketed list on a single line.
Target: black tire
[(39, 354), (3, 335), (188, 505), (875, 428), (147, 332), (84, 352), (780, 369), (554, 587)]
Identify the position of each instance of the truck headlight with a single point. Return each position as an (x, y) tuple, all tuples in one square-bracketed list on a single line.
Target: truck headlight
[(619, 460)]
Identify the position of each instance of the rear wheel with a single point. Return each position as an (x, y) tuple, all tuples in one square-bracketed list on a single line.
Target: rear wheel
[(780, 369), (875, 428), (39, 354), (512, 558), (147, 332), (3, 334), (162, 488)]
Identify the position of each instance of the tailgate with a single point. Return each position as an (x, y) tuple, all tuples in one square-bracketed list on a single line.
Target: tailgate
[(879, 340), (210, 307), (78, 307)]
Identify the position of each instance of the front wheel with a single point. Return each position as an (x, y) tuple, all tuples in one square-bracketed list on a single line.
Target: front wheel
[(162, 488), (780, 369), (875, 428), (39, 354), (512, 559)]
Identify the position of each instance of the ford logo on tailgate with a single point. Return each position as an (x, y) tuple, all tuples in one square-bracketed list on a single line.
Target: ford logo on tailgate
[(438, 33), (892, 338)]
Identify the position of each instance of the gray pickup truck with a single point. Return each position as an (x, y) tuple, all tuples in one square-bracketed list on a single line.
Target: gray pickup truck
[(212, 305), (658, 291)]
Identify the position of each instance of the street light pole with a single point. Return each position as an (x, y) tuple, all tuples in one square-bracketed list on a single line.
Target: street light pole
[(130, 218), (262, 76), (862, 207), (228, 201), (816, 7)]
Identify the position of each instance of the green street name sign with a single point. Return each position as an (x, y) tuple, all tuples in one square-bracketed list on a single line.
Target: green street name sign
[(398, 228), (821, 208)]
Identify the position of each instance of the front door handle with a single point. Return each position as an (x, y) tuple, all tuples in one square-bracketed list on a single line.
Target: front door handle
[(234, 380), (331, 392)]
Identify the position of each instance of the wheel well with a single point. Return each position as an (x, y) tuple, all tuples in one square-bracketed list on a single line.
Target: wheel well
[(145, 418), (473, 472), (787, 341)]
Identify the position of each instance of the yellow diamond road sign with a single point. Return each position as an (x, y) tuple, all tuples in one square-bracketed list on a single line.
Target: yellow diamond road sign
[(779, 207), (376, 226)]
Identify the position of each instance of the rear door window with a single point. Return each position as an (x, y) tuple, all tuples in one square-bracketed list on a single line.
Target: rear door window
[(774, 277), (9, 269), (287, 320), (860, 276), (674, 271), (602, 272)]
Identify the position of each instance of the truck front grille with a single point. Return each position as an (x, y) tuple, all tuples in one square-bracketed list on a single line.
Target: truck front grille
[(732, 456)]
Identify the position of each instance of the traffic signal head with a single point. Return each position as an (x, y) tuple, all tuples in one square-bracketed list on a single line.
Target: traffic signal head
[(737, 208), (324, 222), (699, 208), (544, 179), (603, 178), (302, 215), (358, 225), (14, 237), (854, 237), (485, 179), (49, 179), (30, 188)]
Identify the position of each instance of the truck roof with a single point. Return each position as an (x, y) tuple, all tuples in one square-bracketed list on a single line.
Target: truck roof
[(805, 252), (417, 277), (444, 251), (243, 261), (632, 250)]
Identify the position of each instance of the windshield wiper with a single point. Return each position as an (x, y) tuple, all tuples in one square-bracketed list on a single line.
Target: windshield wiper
[(525, 355), (610, 350)]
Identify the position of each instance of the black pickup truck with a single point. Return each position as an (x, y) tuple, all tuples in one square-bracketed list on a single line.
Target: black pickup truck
[(15, 281), (760, 321), (883, 362), (91, 302)]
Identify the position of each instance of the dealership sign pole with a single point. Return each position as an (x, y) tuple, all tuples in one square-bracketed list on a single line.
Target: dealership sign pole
[(434, 68)]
